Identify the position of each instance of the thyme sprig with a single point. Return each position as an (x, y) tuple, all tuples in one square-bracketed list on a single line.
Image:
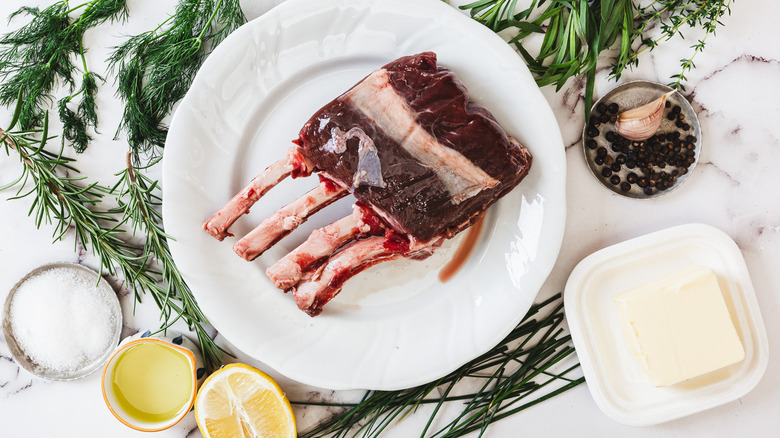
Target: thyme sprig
[(40, 56), (523, 365), (577, 32), (68, 202), (155, 69)]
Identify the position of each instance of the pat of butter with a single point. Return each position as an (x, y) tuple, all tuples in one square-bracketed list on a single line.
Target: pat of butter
[(679, 327)]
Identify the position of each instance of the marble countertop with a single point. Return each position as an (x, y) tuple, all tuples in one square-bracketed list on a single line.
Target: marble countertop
[(734, 90)]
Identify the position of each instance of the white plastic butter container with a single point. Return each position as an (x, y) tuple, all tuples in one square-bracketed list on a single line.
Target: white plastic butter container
[(615, 378)]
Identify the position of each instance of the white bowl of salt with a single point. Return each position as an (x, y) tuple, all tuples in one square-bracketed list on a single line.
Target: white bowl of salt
[(62, 321)]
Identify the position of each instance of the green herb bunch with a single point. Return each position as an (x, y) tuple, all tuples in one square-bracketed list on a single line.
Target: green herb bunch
[(67, 202), (576, 32), (521, 366), (42, 55), (155, 69)]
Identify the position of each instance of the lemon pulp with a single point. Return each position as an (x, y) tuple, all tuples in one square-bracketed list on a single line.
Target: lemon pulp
[(239, 401), (152, 382)]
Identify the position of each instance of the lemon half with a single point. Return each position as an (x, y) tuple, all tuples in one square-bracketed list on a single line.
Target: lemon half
[(238, 401)]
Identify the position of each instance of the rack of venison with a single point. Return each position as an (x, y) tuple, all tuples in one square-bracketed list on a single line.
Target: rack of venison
[(422, 161)]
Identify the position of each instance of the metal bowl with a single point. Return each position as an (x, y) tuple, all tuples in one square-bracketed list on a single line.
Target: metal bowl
[(29, 363), (631, 95)]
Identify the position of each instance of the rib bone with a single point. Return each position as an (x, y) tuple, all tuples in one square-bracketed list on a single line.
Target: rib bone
[(293, 163), (322, 243), (311, 294), (288, 218)]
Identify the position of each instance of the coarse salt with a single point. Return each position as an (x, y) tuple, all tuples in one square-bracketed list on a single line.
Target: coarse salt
[(62, 320)]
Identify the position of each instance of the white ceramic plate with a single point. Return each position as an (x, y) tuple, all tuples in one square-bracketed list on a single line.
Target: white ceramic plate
[(394, 325), (614, 376)]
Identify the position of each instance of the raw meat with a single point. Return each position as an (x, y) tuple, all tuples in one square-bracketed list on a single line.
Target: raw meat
[(423, 162)]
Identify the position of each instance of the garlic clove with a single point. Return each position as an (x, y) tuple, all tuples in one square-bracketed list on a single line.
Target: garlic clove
[(641, 123)]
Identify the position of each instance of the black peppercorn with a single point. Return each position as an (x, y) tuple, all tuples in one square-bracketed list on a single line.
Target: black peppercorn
[(601, 107), (631, 177), (615, 180), (630, 163), (642, 182), (606, 172), (591, 144), (613, 108), (610, 136), (615, 167), (592, 131), (671, 116), (599, 160), (601, 151), (620, 159), (624, 186), (648, 191)]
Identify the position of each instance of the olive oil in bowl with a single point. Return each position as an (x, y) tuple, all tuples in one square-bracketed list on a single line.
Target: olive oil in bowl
[(150, 384), (152, 381)]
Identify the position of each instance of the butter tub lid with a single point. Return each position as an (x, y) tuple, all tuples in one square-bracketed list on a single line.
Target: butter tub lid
[(615, 378)]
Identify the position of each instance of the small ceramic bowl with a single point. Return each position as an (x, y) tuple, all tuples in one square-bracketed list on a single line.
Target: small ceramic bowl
[(29, 363), (177, 343)]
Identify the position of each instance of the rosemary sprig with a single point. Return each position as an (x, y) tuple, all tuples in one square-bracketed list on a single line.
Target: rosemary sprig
[(38, 57), (577, 32), (509, 378), (66, 202), (139, 206), (155, 69)]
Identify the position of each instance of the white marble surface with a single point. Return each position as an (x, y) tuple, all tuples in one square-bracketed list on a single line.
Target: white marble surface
[(735, 91)]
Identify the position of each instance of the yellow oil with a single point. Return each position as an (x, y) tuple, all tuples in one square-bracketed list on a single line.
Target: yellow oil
[(152, 382)]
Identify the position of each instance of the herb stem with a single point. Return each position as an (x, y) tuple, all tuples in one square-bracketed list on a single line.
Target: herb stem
[(208, 23), (670, 33), (77, 7)]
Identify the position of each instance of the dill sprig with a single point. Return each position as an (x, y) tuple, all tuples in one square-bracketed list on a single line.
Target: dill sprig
[(76, 123), (577, 32), (155, 69), (68, 202), (516, 374), (40, 56)]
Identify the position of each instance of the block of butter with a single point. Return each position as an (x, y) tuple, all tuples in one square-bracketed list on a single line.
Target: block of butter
[(679, 326)]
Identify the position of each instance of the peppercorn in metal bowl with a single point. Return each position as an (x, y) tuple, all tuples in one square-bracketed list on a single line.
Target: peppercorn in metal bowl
[(647, 168), (55, 336)]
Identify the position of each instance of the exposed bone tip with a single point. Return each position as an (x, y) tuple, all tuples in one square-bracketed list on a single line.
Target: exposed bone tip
[(284, 274), (243, 251), (215, 232)]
